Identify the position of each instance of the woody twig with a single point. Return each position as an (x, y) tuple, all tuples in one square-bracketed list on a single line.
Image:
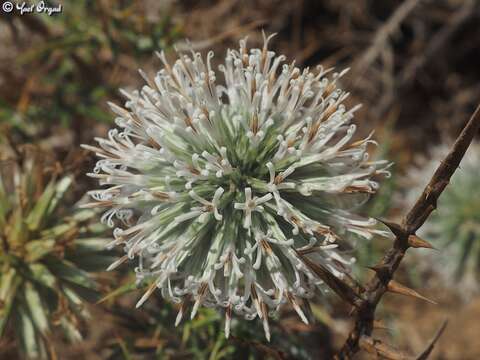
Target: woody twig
[(405, 238)]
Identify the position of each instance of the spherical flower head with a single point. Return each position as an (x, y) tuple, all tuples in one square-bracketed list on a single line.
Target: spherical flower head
[(228, 193), (454, 227)]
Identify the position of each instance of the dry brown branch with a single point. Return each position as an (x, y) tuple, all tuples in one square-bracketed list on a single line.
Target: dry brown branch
[(383, 34), (435, 45), (205, 44), (427, 202), (438, 41)]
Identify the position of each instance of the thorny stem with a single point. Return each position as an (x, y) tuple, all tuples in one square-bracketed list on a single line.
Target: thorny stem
[(425, 204)]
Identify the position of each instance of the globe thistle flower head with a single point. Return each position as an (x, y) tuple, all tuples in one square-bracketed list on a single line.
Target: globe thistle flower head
[(454, 227), (228, 191)]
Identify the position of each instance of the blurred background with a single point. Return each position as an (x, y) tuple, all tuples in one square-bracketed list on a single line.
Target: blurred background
[(414, 65)]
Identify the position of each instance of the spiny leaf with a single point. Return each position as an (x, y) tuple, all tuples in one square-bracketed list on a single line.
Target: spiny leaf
[(60, 188), (16, 234), (36, 308), (83, 215), (37, 249), (76, 302), (26, 333), (7, 280), (67, 271), (4, 204), (8, 290), (93, 245), (71, 331), (37, 215), (41, 275)]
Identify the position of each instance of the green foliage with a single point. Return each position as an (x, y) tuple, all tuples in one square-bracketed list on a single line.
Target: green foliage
[(46, 253), (76, 63), (153, 335)]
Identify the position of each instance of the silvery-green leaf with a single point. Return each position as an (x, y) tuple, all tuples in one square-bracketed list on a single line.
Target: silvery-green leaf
[(78, 305), (66, 270), (4, 204), (36, 308), (42, 275), (8, 291), (60, 188), (37, 215), (37, 249), (26, 334), (83, 215), (70, 330), (17, 228), (84, 245), (7, 280)]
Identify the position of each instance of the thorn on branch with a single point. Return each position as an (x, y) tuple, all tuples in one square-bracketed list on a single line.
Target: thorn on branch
[(380, 349), (418, 214), (395, 228), (380, 325), (395, 287), (417, 242), (426, 353)]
